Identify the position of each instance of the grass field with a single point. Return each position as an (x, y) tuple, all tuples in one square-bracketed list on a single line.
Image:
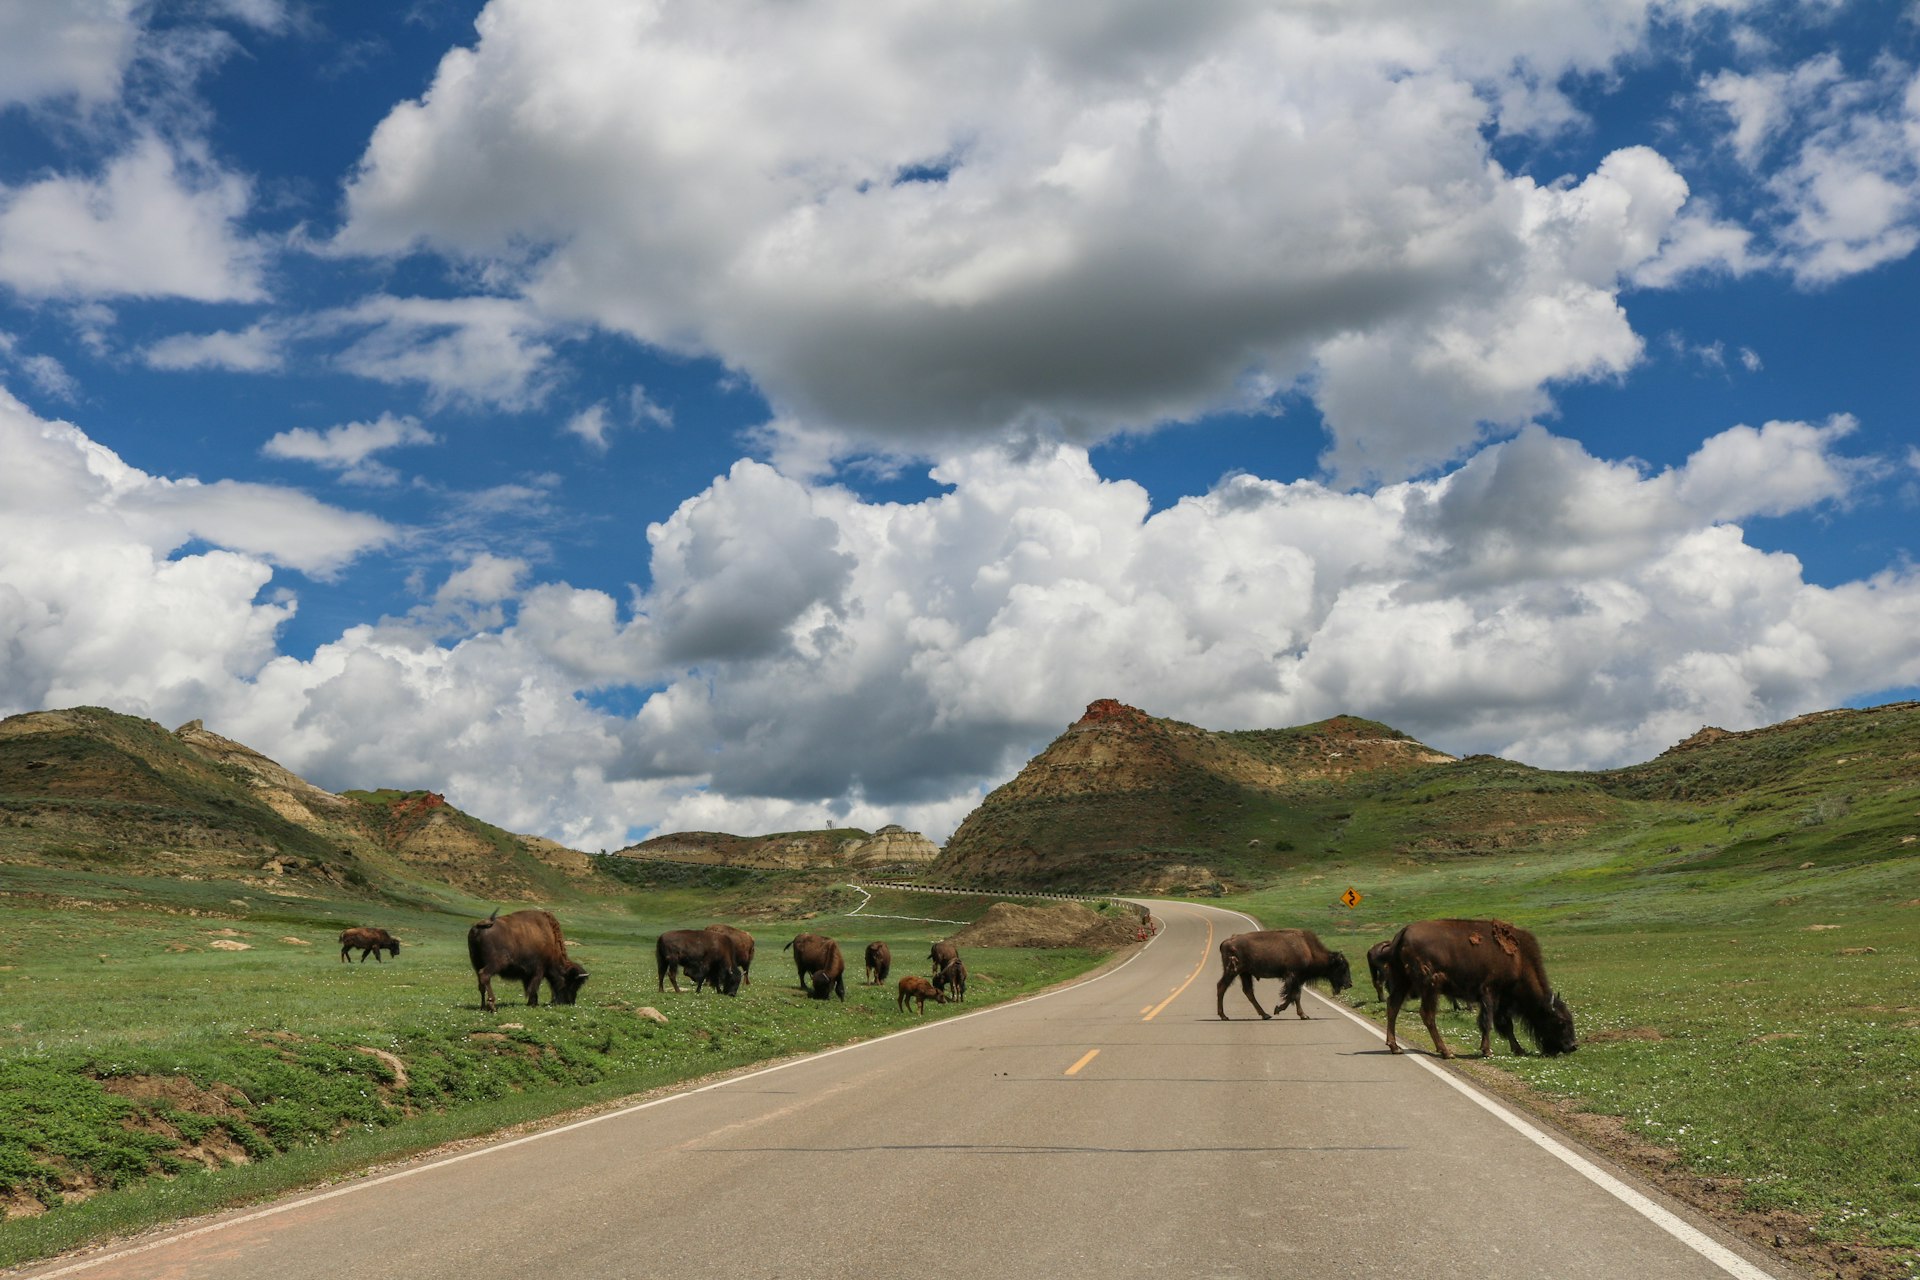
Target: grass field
[(1761, 1024), (150, 1069)]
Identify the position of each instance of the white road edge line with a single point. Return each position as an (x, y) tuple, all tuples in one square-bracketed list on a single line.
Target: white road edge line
[(1674, 1225), (366, 1184)]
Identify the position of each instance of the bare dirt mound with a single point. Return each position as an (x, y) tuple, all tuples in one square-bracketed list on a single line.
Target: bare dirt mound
[(1057, 924)]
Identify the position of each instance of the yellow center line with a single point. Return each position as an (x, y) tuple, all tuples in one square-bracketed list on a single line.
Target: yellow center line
[(1205, 947), (1091, 1054)]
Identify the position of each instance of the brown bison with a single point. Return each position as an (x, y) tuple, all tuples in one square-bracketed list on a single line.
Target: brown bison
[(368, 941), (1377, 967), (953, 979), (942, 955), (1295, 956), (1489, 961), (527, 945), (915, 987), (879, 962), (822, 968), (702, 955), (742, 949)]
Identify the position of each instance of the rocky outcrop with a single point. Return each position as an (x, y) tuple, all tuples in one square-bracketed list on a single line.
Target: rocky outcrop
[(834, 848)]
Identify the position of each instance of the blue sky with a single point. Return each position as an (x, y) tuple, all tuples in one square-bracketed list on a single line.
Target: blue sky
[(634, 418)]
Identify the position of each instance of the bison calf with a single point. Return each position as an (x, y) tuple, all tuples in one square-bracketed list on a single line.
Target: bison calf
[(1295, 956), (915, 987), (953, 979)]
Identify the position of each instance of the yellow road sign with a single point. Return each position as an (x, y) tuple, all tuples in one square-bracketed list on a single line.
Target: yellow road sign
[(1351, 897)]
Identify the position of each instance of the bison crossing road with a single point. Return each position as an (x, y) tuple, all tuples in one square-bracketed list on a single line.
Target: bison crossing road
[(1179, 1144)]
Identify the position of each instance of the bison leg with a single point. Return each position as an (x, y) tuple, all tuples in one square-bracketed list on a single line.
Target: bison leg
[(532, 986), (1486, 1026), (1429, 1005), (1290, 996), (1396, 996), (486, 990), (343, 954)]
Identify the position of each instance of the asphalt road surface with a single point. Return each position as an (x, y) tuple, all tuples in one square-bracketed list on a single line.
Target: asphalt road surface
[(1113, 1128)]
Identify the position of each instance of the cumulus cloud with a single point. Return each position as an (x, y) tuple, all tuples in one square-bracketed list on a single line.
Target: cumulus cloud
[(109, 591), (349, 448), (928, 226), (806, 656), (154, 224)]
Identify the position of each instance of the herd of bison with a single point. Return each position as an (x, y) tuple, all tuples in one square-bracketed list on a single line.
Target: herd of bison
[(1488, 963)]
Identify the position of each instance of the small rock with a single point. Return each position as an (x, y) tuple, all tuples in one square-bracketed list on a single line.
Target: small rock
[(296, 942), (653, 1013), (1806, 866), (1858, 951), (228, 944)]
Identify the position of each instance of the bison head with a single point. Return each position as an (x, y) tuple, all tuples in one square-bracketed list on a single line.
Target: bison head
[(567, 989), (1339, 974), (727, 982), (1555, 1032)]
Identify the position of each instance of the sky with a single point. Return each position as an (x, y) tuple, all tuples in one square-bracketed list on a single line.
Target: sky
[(759, 415)]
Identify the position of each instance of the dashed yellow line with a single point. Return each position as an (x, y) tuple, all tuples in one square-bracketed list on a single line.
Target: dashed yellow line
[(1091, 1054), (1205, 948)]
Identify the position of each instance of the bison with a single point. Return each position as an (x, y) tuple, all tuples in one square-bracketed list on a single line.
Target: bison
[(953, 979), (1377, 967), (368, 941), (1295, 956), (701, 954), (915, 987), (879, 961), (742, 949), (941, 955), (1489, 961), (527, 945), (822, 968)]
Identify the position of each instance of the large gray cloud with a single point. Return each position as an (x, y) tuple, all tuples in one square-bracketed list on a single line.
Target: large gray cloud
[(915, 226)]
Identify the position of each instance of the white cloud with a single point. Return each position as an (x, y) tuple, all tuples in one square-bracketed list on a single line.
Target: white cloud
[(590, 425), (255, 349), (917, 227), (807, 656), (349, 448), (155, 224), (56, 48), (105, 594), (474, 351), (1839, 156)]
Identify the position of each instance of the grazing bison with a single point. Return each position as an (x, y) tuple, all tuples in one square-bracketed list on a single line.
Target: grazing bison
[(953, 979), (942, 955), (879, 961), (742, 949), (1489, 961), (1377, 967), (527, 945), (915, 987), (1294, 956), (822, 968), (701, 954), (368, 941)]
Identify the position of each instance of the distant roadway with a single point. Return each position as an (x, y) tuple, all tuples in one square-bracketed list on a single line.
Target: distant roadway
[(1113, 1128)]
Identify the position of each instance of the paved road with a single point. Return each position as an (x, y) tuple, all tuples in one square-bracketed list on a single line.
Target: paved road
[(1115, 1128)]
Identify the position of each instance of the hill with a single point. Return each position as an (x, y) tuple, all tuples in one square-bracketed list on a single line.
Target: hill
[(891, 848), (89, 789), (1124, 801)]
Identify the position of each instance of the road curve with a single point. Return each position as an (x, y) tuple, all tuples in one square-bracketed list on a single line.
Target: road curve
[(1112, 1128)]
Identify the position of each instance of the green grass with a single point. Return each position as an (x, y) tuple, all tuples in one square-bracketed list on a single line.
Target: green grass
[(134, 1055), (1727, 1007)]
